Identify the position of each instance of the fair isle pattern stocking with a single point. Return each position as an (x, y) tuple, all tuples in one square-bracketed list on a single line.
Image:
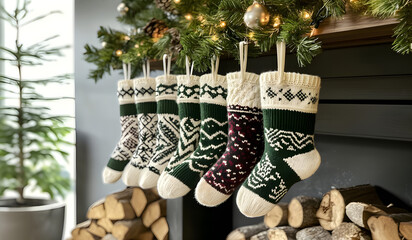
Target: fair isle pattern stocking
[(167, 130), (289, 111), (189, 114), (213, 136), (245, 141), (147, 118), (129, 134)]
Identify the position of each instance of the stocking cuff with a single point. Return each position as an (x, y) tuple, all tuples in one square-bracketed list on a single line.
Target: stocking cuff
[(243, 92), (144, 89), (187, 89), (213, 90), (125, 91), (297, 92), (166, 88)]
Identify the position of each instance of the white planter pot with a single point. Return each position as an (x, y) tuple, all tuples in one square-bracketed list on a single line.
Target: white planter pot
[(38, 220)]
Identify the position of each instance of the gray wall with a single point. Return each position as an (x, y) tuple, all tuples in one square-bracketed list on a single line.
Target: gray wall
[(363, 126), (97, 109), (97, 112)]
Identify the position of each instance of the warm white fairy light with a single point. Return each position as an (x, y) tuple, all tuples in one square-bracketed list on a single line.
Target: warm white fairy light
[(276, 23), (222, 24), (119, 53), (188, 16), (306, 14)]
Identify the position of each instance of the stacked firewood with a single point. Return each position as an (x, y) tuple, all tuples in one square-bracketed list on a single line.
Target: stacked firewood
[(355, 213), (132, 214)]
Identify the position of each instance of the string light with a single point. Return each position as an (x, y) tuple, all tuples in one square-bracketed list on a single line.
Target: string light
[(138, 54), (251, 35), (222, 24), (276, 23), (306, 14), (200, 18), (119, 53), (177, 1), (214, 38), (126, 38), (188, 16), (136, 45)]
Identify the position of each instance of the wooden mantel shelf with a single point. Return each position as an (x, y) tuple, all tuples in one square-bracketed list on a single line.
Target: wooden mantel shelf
[(354, 30)]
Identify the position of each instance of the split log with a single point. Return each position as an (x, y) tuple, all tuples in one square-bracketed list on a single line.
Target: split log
[(118, 205), (313, 233), (96, 229), (83, 225), (105, 223), (405, 228), (278, 216), (141, 198), (387, 227), (349, 231), (109, 237), (246, 232), (302, 212), (260, 236), (96, 210), (282, 233), (359, 213), (332, 208), (86, 235), (128, 229), (160, 229), (154, 211)]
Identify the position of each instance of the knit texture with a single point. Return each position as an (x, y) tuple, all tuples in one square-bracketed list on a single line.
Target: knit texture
[(245, 141), (129, 133), (189, 114), (145, 99), (167, 130), (289, 110), (213, 136)]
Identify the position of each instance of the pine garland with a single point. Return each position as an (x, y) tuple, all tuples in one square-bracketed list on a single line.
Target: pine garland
[(211, 27)]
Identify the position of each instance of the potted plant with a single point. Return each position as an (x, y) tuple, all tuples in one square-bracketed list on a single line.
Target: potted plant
[(30, 139)]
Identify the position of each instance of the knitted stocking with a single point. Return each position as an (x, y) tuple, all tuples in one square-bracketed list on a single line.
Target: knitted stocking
[(147, 118), (189, 114), (129, 138), (184, 177), (245, 141), (289, 110), (168, 130)]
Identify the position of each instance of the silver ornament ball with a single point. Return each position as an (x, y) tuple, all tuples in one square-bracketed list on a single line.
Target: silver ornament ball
[(122, 9), (256, 16)]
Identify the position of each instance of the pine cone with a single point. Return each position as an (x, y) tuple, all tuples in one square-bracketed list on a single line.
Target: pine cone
[(167, 6), (155, 28), (175, 41)]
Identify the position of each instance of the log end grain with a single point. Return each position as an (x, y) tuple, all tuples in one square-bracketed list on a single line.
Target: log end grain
[(278, 216), (313, 233)]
